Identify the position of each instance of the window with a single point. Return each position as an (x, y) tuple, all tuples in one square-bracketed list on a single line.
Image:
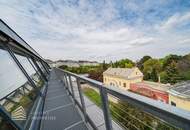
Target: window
[(173, 103), (34, 66), (124, 84), (10, 75), (30, 70), (5, 124), (17, 96), (105, 79), (41, 67), (119, 83)]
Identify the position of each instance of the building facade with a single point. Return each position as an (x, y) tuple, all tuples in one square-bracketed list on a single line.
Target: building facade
[(179, 96), (156, 91), (122, 77)]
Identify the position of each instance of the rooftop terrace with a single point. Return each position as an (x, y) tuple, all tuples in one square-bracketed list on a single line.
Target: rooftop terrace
[(37, 97)]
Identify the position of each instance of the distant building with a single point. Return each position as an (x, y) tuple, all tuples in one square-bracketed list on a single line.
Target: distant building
[(122, 77), (179, 95), (69, 63), (72, 63), (154, 90)]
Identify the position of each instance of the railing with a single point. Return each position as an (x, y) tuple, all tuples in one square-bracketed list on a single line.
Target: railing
[(164, 112)]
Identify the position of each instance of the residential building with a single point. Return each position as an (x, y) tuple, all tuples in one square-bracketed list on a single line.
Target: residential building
[(122, 77), (154, 90), (179, 95)]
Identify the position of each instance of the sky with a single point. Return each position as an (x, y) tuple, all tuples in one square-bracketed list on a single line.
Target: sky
[(101, 29)]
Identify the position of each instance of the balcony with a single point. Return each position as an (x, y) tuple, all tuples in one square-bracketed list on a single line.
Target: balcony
[(34, 96)]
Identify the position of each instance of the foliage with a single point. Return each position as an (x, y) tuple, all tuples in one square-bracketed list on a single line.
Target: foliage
[(163, 77), (169, 59), (81, 69), (142, 61), (152, 64), (151, 68), (124, 63), (96, 75), (154, 75), (171, 68), (92, 95), (172, 72)]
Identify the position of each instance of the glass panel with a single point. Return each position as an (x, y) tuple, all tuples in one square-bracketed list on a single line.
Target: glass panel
[(30, 70), (5, 124), (16, 94), (34, 66), (41, 67), (10, 76), (44, 65), (19, 103)]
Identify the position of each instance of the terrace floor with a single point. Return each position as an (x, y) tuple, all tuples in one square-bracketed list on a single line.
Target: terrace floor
[(61, 113)]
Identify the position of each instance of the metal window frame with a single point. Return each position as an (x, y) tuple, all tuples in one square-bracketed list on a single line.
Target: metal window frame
[(11, 42), (47, 70), (8, 48), (29, 80), (35, 68), (7, 116), (39, 69), (39, 63)]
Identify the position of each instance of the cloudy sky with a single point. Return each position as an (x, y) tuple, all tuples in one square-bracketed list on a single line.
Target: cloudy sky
[(101, 29)]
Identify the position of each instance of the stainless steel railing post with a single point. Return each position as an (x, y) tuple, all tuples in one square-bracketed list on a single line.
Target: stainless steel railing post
[(82, 99), (65, 80), (105, 108), (71, 86)]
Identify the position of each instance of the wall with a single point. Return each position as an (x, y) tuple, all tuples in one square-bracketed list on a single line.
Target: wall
[(147, 91), (180, 102), (119, 82)]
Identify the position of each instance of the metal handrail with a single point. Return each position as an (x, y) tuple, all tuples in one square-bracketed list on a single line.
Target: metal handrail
[(172, 115)]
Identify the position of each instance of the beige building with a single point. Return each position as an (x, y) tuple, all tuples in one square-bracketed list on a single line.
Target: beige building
[(122, 77), (179, 96)]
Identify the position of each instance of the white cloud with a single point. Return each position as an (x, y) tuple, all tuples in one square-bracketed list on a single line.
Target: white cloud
[(60, 30), (175, 21)]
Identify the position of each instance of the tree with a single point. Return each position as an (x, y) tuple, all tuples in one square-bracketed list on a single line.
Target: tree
[(104, 65), (163, 77), (63, 67), (169, 59), (154, 75), (173, 75), (152, 68), (124, 63), (96, 75), (142, 61)]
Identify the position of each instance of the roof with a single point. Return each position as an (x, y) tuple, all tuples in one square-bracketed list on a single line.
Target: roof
[(121, 72), (181, 90), (154, 85), (4, 28)]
